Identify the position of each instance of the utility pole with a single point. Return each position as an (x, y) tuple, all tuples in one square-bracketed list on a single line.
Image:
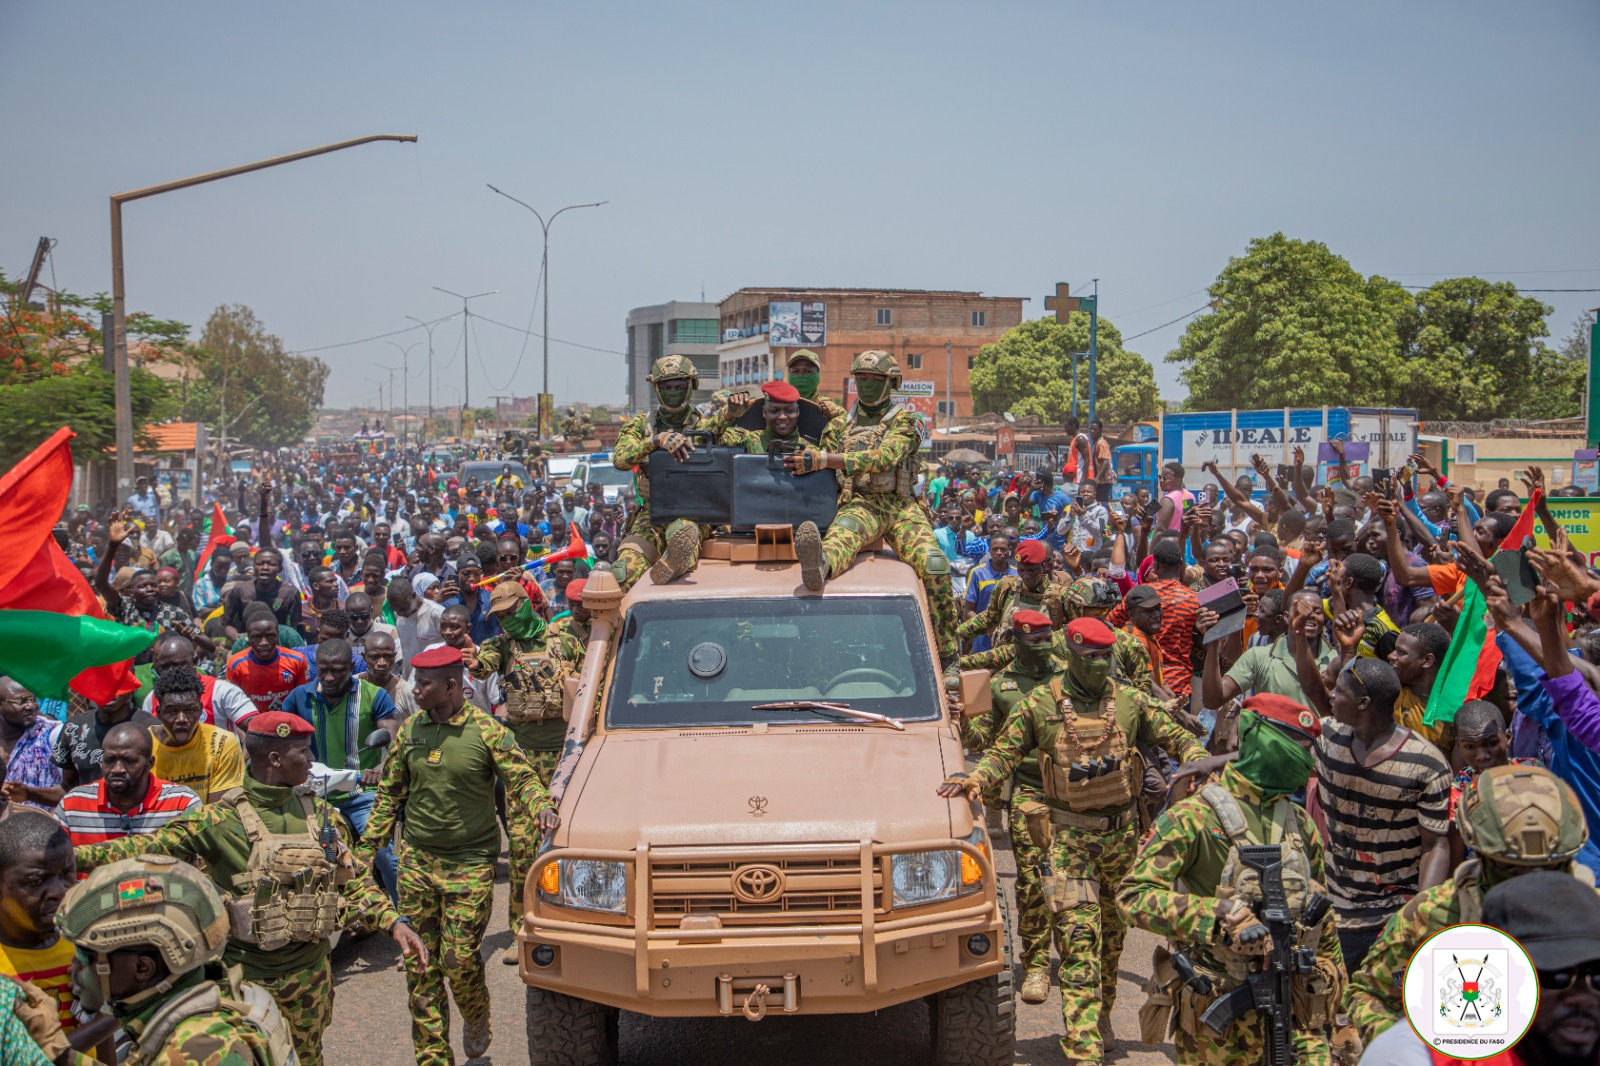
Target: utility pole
[(123, 389), (544, 272), (466, 335), (405, 381), (949, 404), (429, 327)]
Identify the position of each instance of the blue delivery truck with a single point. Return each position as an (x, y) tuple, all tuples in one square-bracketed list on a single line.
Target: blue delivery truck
[(1229, 438)]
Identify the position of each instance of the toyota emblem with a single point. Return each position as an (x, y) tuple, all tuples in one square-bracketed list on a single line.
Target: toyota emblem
[(758, 884)]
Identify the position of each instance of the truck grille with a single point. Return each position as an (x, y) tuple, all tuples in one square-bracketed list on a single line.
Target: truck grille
[(809, 889)]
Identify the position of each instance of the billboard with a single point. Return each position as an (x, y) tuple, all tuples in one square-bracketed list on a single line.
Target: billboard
[(792, 324), (1581, 520)]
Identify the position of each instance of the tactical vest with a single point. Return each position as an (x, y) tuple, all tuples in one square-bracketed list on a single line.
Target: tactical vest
[(289, 891), (1088, 766), (900, 479), (238, 999), (1469, 897), (531, 682)]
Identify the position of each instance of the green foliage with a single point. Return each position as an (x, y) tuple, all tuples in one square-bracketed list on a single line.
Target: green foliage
[(1471, 351), (1292, 324), (85, 400), (1028, 371), (271, 395), (1560, 376)]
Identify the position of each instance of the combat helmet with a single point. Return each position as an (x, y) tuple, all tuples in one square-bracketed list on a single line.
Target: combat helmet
[(877, 361), (153, 902), (1522, 815), (1091, 594), (673, 366)]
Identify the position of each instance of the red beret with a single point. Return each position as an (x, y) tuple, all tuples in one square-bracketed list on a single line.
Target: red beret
[(1030, 621), (435, 658), (1031, 551), (1090, 633), (277, 724), (781, 392), (1285, 712), (575, 589)]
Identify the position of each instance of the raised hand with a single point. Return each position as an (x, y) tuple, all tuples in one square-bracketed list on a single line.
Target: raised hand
[(1299, 455), (1533, 478), (1348, 630)]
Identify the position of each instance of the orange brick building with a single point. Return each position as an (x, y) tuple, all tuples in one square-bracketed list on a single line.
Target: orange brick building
[(760, 327)]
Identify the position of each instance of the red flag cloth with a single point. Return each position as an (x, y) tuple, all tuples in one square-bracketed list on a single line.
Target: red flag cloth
[(1488, 663), (217, 537), (32, 496), (1523, 530), (38, 574)]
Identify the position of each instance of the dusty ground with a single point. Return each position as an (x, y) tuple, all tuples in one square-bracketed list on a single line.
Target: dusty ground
[(371, 1024)]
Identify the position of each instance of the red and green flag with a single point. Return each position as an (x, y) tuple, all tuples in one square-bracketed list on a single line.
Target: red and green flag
[(1470, 664), (215, 533), (54, 635)]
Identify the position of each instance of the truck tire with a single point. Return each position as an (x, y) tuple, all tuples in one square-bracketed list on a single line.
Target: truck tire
[(975, 1024), (565, 1031)]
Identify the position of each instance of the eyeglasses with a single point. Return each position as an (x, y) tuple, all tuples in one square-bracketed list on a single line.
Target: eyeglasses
[(361, 616), (1562, 980)]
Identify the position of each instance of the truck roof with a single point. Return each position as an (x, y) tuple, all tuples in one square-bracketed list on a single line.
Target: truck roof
[(875, 573)]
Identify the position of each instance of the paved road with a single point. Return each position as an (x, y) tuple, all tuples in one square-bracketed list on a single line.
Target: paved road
[(371, 1024)]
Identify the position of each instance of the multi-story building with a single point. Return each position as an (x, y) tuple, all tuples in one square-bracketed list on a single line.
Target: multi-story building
[(760, 327), (681, 327)]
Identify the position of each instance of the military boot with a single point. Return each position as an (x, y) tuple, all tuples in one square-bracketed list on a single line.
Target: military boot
[(475, 1037), (1036, 987), (678, 559), (808, 549)]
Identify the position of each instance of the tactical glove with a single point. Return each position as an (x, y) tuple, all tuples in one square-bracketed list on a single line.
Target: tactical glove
[(40, 1014)]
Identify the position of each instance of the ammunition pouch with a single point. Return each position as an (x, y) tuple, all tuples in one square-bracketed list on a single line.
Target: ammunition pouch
[(1062, 893), (1090, 766), (1317, 995), (900, 479), (1036, 817), (1160, 1002), (289, 890), (532, 688)]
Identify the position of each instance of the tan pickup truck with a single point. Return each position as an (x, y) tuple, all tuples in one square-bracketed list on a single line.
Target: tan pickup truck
[(749, 826)]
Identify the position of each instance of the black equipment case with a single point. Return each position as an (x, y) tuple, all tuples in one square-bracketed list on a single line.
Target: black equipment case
[(699, 489), (766, 494)]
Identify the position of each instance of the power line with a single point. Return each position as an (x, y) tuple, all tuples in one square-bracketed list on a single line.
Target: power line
[(367, 340), (553, 340), (1164, 325)]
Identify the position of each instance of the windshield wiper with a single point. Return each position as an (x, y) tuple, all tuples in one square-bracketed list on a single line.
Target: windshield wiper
[(822, 705)]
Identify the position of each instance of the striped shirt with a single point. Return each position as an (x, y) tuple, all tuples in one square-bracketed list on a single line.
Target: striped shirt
[(1376, 812), (49, 969), (91, 819)]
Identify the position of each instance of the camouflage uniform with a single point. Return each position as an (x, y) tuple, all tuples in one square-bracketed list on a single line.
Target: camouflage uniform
[(1169, 892), (1542, 807), (441, 774), (1130, 659), (1008, 597), (213, 838), (214, 1039), (1092, 850), (831, 408), (644, 539)]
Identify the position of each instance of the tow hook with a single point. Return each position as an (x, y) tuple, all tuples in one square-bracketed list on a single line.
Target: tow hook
[(755, 1004)]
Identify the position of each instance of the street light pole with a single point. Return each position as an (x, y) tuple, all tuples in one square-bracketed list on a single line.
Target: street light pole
[(466, 362), (123, 388), (429, 326), (544, 272), (405, 380)]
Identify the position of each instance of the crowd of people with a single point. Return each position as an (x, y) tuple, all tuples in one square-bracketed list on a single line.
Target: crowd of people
[(1176, 676)]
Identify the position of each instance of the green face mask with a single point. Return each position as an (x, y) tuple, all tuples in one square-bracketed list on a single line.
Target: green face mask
[(1269, 759), (806, 384), (1033, 659), (524, 623), (673, 398), (1087, 679), (872, 391)]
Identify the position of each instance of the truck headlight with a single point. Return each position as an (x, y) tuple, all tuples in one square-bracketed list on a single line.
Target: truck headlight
[(586, 884), (924, 876)]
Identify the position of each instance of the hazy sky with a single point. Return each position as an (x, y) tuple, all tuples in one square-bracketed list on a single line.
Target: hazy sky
[(1000, 147)]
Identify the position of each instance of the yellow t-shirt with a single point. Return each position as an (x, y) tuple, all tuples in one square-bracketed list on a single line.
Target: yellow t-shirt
[(210, 764), (1408, 711), (50, 970)]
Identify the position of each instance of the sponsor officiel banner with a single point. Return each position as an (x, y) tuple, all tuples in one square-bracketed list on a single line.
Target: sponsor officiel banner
[(1581, 520)]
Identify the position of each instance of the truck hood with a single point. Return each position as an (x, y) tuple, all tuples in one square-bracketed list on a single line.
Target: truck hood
[(740, 787)]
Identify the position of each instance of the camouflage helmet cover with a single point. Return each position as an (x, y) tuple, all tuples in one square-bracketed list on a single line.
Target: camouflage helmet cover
[(151, 902), (804, 353), (877, 361), (1095, 593), (673, 366), (1522, 815)]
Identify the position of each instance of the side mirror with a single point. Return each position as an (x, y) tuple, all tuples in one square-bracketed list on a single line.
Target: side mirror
[(378, 739)]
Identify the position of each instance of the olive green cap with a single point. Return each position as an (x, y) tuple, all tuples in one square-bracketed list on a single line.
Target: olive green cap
[(804, 353), (1522, 815)]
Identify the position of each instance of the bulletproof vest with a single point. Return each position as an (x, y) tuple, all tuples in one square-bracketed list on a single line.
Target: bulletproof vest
[(273, 1043), (289, 890), (1088, 742), (531, 682), (900, 480)]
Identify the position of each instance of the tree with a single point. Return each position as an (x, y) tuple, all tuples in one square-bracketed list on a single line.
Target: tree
[(268, 395), (1471, 352), (1292, 325), (1560, 376), (1028, 371)]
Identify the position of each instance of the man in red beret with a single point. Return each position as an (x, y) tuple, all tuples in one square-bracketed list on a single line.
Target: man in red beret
[(296, 970), (1027, 590), (441, 774), (1084, 728), (781, 409), (1177, 889)]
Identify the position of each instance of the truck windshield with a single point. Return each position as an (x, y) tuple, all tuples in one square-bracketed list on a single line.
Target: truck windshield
[(705, 662)]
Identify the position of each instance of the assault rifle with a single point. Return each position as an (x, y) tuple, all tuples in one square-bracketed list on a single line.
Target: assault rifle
[(1270, 990)]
